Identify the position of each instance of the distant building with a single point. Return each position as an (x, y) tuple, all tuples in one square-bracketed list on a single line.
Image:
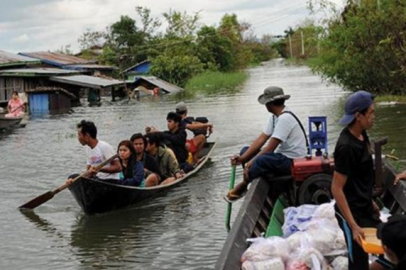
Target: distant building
[(70, 62), (49, 100), (141, 68), (145, 85)]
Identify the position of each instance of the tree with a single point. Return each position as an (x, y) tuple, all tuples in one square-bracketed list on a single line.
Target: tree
[(176, 69), (365, 48), (213, 50)]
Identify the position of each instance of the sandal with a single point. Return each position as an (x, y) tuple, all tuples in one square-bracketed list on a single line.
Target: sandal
[(230, 198)]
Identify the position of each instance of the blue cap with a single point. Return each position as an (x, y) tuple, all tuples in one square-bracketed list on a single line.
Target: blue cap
[(356, 102)]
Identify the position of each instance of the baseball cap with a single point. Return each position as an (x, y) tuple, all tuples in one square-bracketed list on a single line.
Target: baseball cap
[(355, 102), (181, 107)]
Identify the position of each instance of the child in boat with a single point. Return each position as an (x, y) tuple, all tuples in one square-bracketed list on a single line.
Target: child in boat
[(132, 173), (15, 106)]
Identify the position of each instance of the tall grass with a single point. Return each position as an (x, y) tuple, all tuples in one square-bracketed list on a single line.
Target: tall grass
[(215, 81)]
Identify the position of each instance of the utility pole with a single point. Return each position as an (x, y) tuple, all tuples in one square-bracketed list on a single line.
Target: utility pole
[(290, 46), (303, 50)]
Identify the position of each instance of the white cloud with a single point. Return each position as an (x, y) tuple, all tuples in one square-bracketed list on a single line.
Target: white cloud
[(49, 24)]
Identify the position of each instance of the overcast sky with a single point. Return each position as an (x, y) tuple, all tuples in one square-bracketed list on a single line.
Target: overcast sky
[(47, 25)]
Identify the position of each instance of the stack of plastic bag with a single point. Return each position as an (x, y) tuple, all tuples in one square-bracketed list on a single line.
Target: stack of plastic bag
[(266, 253)]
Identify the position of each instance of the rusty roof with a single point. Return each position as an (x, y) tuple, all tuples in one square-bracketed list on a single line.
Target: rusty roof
[(10, 59), (36, 72), (164, 85), (58, 59)]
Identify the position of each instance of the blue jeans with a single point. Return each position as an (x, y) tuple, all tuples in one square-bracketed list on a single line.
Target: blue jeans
[(274, 163)]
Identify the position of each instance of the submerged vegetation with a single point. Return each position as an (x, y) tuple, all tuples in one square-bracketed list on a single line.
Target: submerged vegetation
[(183, 50), (214, 81)]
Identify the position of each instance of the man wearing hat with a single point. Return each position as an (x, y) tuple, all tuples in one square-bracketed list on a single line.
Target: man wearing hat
[(197, 142), (286, 140), (353, 179), (393, 237)]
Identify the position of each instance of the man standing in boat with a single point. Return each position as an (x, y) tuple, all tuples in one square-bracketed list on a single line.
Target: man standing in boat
[(97, 152), (353, 179), (286, 141)]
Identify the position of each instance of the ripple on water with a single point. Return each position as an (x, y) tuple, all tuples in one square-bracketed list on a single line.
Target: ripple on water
[(181, 229)]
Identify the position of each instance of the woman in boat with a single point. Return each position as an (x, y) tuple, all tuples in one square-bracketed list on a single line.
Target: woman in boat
[(15, 106), (132, 173)]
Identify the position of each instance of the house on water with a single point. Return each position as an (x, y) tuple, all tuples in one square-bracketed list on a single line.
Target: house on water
[(70, 62)]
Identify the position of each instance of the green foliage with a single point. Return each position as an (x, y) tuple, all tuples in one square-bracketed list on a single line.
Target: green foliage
[(185, 49), (213, 50), (365, 48), (215, 81), (176, 69)]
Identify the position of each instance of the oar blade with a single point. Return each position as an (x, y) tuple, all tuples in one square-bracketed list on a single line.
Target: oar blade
[(38, 201)]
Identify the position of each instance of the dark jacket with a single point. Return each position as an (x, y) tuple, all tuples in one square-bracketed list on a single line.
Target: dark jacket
[(135, 177), (150, 163), (177, 142)]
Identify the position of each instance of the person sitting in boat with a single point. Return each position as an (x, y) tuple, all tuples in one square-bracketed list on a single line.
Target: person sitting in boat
[(393, 237), (286, 140), (132, 173), (97, 152), (168, 165), (15, 106), (175, 139), (151, 169), (195, 144)]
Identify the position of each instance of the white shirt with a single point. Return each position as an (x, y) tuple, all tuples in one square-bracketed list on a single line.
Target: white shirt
[(287, 129), (98, 155)]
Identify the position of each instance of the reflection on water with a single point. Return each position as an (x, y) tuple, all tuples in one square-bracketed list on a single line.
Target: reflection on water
[(182, 229)]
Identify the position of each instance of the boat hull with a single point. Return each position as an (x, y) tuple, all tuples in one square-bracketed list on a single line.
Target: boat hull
[(255, 212), (10, 122), (96, 196)]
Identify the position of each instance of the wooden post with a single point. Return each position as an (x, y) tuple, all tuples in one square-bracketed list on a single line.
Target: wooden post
[(290, 45), (301, 35)]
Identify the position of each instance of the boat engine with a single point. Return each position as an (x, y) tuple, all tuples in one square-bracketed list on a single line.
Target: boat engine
[(313, 175)]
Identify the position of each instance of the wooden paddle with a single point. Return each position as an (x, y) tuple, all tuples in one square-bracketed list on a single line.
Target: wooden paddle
[(229, 205), (15, 109), (50, 194)]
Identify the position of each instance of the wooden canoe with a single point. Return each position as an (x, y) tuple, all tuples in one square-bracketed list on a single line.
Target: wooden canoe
[(255, 212), (9, 122), (95, 196)]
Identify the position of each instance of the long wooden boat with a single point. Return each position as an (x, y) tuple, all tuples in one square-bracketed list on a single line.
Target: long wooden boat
[(255, 212), (9, 122), (95, 196)]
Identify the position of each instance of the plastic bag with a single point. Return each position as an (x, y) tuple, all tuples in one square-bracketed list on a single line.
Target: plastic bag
[(294, 216), (272, 264), (306, 256), (325, 210), (340, 263), (263, 249), (323, 234)]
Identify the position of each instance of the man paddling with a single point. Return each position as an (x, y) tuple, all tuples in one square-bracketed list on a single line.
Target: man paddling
[(286, 141), (97, 151)]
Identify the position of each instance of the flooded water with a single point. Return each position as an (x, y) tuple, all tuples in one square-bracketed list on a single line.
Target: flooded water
[(181, 229)]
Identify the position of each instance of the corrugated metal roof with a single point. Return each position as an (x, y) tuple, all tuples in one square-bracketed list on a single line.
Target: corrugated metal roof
[(164, 85), (87, 81), (11, 59), (136, 65), (32, 72), (89, 66), (58, 59)]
